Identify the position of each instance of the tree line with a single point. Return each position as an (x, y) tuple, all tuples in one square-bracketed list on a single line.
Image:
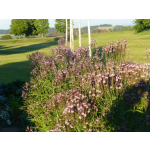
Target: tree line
[(41, 26), (29, 26), (141, 24), (36, 26), (4, 31)]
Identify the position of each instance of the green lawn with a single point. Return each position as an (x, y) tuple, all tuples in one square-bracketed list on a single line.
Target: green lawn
[(13, 54), (13, 57), (138, 42)]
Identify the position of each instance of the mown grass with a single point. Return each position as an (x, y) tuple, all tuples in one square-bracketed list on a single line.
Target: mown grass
[(137, 42), (13, 57), (13, 54)]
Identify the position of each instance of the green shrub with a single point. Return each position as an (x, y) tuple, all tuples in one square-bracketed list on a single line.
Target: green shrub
[(6, 37), (142, 25)]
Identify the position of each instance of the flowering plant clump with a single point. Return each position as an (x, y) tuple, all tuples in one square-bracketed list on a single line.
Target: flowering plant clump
[(61, 41), (72, 92)]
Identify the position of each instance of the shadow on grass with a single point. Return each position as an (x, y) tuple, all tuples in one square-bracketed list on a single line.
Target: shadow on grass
[(30, 48), (14, 102), (14, 76), (130, 112), (13, 71)]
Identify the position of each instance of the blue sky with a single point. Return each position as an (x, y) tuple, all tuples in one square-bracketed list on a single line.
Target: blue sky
[(5, 23)]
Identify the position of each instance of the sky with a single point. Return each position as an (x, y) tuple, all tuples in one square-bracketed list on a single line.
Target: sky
[(5, 23), (99, 12)]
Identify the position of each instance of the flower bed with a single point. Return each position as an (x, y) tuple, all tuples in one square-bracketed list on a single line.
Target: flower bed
[(72, 92)]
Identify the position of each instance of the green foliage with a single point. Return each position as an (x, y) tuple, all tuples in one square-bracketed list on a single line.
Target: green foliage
[(22, 26), (122, 28), (142, 24), (105, 25), (42, 26), (14, 88), (31, 27), (60, 25), (6, 37), (18, 27)]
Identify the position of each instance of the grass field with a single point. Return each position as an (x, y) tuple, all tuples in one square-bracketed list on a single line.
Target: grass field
[(137, 42), (13, 54), (13, 57)]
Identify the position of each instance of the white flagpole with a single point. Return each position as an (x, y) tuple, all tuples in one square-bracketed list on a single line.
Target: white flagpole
[(79, 34), (89, 34), (66, 32), (70, 35)]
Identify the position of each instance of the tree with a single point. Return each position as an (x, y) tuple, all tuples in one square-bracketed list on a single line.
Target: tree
[(42, 26), (31, 27), (60, 25), (22, 26), (141, 24), (18, 27)]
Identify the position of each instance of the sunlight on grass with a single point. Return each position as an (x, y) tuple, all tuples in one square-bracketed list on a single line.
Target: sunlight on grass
[(13, 57), (16, 51)]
